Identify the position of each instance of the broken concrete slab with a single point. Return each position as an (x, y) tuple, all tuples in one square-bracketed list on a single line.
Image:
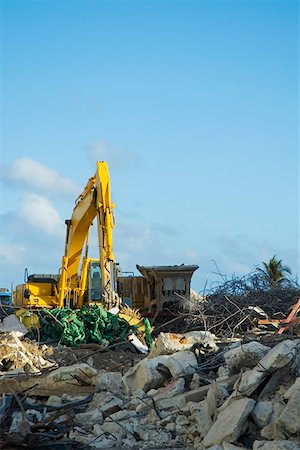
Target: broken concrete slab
[(293, 390), (230, 422), (75, 374), (175, 387), (70, 379), (181, 400), (272, 430), (289, 419), (169, 343), (245, 355), (145, 375), (105, 401), (279, 356), (202, 418), (182, 363)]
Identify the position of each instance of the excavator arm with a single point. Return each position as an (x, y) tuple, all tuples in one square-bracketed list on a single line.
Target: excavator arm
[(95, 201)]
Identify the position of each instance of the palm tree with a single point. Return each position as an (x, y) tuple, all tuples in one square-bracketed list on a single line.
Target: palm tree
[(274, 272)]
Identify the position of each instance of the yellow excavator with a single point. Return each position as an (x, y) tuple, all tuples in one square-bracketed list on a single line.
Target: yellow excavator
[(82, 280)]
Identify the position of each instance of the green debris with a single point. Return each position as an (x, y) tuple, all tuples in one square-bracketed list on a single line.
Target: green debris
[(90, 324)]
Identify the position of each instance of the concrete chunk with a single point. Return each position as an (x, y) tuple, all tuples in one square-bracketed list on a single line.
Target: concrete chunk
[(110, 381), (245, 355), (230, 422), (289, 419), (168, 343), (104, 401), (262, 413), (280, 355), (145, 376)]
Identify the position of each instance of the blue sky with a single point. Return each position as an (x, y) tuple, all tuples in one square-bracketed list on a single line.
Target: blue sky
[(193, 104)]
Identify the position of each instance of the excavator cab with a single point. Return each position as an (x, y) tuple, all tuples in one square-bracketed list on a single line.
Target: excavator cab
[(95, 290)]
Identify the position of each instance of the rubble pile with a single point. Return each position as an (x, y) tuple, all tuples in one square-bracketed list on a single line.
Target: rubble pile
[(187, 393), (26, 355), (236, 306)]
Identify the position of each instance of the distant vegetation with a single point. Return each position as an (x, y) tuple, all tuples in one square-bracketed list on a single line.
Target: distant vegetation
[(274, 274)]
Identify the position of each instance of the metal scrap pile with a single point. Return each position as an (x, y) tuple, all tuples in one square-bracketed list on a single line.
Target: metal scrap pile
[(244, 396)]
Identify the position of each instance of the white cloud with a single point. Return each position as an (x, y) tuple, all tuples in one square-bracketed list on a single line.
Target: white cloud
[(10, 254), (30, 173), (116, 157), (40, 212)]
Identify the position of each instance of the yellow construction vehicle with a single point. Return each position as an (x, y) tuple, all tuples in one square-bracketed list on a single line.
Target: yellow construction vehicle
[(82, 280)]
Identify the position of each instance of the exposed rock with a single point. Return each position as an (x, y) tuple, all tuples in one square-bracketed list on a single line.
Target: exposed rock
[(212, 416), (170, 427), (17, 354), (215, 397), (122, 415), (245, 355), (230, 422), (262, 413)]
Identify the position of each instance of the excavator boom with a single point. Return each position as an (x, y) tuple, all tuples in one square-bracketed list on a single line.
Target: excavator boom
[(94, 202)]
